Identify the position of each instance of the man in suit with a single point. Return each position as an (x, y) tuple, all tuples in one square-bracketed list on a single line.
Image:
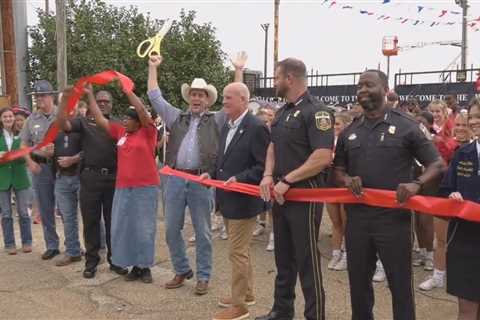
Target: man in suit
[(241, 158)]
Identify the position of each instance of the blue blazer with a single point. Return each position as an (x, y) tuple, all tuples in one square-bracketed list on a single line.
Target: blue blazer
[(244, 159), (463, 174)]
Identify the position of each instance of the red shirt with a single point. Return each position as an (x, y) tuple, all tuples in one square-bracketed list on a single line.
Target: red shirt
[(136, 166)]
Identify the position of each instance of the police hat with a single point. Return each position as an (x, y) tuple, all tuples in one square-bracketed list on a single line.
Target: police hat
[(42, 87)]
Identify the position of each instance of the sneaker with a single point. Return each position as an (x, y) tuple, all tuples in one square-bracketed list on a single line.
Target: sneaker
[(228, 302), (259, 230), (271, 243), (334, 260), (223, 234), (418, 262), (431, 283), (342, 264), (428, 264), (134, 274), (379, 275), (146, 275), (232, 313), (66, 260), (118, 270), (191, 239)]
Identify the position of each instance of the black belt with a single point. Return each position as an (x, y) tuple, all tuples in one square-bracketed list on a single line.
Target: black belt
[(102, 171), (191, 171), (40, 159)]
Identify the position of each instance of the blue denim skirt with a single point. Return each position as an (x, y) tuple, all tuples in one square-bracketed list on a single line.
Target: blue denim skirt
[(134, 226)]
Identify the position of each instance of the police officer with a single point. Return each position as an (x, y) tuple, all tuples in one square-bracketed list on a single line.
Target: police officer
[(301, 148), (97, 179), (40, 162), (377, 151)]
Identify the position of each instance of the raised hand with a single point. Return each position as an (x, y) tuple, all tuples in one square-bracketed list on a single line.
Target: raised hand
[(155, 61), (239, 60)]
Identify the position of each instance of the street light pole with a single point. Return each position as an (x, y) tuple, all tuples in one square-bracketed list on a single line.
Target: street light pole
[(464, 5), (265, 28)]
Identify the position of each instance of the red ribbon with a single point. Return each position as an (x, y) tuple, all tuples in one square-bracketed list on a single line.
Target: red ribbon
[(101, 78), (448, 208)]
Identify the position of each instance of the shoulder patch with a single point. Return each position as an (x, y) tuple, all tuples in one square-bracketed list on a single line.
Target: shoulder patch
[(323, 121)]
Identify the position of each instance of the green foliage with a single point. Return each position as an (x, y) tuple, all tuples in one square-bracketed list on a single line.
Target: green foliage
[(102, 37)]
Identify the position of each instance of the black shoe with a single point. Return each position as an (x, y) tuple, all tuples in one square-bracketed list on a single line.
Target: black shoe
[(50, 253), (89, 273), (118, 270), (146, 276), (134, 274), (273, 315)]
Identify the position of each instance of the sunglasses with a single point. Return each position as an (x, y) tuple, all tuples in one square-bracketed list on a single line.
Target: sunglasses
[(103, 101)]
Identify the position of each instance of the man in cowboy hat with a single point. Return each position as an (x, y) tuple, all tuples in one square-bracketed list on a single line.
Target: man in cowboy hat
[(192, 148), (40, 162)]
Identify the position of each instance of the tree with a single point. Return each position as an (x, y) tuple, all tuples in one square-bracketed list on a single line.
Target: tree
[(101, 37)]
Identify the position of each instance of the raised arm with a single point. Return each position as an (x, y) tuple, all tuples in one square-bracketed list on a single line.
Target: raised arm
[(100, 120), (143, 116), (164, 109)]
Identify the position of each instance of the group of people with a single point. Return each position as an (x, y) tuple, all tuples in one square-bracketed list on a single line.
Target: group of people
[(94, 162)]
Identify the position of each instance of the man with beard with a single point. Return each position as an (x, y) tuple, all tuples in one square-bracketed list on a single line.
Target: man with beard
[(378, 151), (97, 180), (301, 148)]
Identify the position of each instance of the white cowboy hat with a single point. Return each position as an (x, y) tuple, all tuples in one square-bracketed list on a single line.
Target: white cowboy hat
[(200, 84)]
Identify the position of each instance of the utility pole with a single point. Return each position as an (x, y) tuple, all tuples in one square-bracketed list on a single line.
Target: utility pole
[(275, 40), (9, 52), (464, 5), (265, 28), (61, 44)]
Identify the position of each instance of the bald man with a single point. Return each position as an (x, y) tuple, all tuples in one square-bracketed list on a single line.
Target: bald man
[(241, 158)]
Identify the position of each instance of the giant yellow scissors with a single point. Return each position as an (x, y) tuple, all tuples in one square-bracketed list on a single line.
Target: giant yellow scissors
[(153, 43)]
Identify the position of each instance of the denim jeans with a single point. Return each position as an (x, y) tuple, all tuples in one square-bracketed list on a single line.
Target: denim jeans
[(179, 194), (66, 194), (44, 185), (21, 201)]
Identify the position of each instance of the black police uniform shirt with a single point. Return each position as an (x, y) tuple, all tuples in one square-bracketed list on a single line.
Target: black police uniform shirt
[(99, 148), (67, 144), (298, 130), (382, 154)]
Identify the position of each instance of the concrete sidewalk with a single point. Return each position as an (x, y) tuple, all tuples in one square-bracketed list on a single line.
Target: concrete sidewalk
[(34, 289)]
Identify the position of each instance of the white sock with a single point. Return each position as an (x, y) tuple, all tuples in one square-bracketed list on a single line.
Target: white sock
[(429, 255), (438, 274), (336, 253)]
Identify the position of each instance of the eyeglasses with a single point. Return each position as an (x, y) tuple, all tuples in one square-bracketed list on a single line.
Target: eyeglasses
[(103, 101)]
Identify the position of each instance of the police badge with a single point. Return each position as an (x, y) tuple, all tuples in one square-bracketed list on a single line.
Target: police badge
[(323, 120)]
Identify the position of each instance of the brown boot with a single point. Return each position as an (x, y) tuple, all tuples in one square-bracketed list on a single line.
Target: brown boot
[(227, 302), (201, 288), (178, 280)]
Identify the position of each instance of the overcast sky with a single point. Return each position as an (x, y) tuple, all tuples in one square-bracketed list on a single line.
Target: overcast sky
[(330, 40)]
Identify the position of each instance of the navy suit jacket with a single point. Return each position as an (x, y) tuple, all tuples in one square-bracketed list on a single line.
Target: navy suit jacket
[(244, 159)]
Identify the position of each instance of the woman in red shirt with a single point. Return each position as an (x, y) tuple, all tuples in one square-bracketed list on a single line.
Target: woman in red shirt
[(134, 211)]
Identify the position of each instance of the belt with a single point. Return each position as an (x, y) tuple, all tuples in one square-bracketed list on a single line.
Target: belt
[(102, 171), (191, 171), (69, 173), (40, 159)]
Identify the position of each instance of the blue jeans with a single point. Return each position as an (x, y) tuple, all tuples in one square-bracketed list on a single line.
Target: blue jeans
[(21, 199), (66, 194), (44, 185), (179, 194)]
